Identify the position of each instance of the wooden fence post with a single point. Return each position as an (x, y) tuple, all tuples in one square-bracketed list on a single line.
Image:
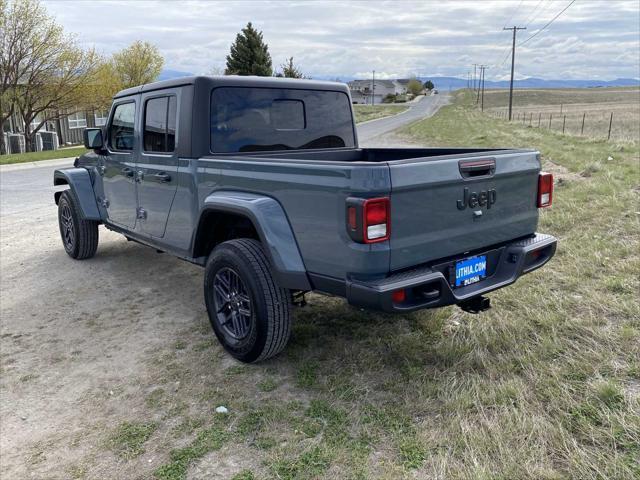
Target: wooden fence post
[(539, 118), (564, 120), (550, 117), (610, 121), (530, 117), (582, 128)]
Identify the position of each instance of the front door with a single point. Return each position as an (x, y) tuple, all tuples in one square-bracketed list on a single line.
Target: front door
[(157, 166), (119, 166)]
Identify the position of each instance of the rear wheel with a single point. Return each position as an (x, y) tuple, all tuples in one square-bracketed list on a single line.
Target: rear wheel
[(79, 236), (248, 311)]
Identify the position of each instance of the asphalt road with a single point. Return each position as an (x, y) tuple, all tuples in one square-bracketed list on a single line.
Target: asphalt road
[(369, 132)]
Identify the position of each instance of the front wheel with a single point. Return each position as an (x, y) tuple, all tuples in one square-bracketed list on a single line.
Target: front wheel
[(248, 311), (79, 236)]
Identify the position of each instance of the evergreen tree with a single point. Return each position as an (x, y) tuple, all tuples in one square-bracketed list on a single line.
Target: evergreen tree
[(249, 54), (428, 85)]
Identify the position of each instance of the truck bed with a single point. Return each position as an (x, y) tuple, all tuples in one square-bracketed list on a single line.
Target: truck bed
[(377, 155)]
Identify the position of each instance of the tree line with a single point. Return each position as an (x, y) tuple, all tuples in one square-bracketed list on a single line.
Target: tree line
[(46, 76)]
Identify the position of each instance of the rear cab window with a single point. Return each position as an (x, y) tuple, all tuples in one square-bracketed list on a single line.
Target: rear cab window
[(160, 125), (253, 119)]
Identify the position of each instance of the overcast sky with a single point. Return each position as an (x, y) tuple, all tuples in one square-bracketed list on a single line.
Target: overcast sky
[(592, 39)]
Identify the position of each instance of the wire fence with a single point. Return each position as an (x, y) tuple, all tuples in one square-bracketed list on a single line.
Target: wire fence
[(610, 125)]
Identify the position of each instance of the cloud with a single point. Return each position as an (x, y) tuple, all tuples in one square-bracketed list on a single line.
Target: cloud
[(342, 38)]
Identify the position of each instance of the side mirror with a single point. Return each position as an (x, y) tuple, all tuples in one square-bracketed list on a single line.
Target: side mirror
[(93, 139)]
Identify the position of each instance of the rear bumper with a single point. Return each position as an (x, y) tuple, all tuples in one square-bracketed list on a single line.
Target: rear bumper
[(430, 286)]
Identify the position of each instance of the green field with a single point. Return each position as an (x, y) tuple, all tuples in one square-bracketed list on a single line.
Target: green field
[(37, 156), (364, 113), (546, 385)]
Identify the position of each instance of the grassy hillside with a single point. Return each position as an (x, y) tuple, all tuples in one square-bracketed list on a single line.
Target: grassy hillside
[(555, 109), (531, 96)]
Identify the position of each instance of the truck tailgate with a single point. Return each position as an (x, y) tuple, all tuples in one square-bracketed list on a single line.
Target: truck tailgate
[(447, 206)]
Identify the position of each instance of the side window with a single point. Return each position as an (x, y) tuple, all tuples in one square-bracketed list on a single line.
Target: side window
[(121, 127), (160, 124)]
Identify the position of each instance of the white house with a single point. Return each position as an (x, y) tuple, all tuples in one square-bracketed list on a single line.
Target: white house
[(363, 90)]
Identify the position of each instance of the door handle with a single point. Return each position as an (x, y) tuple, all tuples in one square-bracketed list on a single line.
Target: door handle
[(163, 177), (127, 172)]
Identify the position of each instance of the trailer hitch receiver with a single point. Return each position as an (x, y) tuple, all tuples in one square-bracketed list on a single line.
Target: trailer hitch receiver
[(476, 304)]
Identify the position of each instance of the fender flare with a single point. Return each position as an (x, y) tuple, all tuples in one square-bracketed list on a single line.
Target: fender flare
[(273, 228), (79, 182)]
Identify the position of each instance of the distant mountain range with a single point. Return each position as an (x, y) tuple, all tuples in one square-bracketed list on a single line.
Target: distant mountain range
[(531, 82), (454, 83)]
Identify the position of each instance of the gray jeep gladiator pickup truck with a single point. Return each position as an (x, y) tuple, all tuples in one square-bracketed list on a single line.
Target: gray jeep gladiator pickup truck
[(261, 181)]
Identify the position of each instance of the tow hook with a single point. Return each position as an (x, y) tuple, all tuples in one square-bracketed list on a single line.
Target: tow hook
[(476, 304)]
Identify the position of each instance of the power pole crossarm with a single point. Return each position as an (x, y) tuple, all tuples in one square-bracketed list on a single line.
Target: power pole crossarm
[(513, 61)]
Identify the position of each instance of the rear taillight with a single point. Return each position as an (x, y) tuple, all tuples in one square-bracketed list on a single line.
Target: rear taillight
[(545, 189), (376, 220), (369, 220)]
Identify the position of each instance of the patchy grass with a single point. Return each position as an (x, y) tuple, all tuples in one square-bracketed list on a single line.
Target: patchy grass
[(127, 441), (37, 156), (207, 440), (244, 475), (364, 113)]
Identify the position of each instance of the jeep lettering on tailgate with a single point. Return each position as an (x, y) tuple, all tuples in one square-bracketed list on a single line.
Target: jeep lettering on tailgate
[(475, 199)]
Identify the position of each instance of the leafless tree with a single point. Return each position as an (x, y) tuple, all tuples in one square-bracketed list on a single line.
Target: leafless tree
[(44, 73)]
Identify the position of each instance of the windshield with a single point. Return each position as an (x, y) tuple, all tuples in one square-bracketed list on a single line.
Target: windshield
[(249, 119)]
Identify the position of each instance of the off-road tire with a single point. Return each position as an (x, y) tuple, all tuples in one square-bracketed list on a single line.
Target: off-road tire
[(83, 241), (269, 326)]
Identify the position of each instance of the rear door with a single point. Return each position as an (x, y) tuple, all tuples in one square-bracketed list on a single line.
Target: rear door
[(452, 205), (158, 162)]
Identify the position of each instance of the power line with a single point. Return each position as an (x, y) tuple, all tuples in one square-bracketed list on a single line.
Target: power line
[(533, 15), (514, 13), (548, 23), (507, 21)]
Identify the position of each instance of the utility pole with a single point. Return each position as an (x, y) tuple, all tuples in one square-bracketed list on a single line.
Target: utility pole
[(513, 61), (480, 83), (483, 67), (373, 88)]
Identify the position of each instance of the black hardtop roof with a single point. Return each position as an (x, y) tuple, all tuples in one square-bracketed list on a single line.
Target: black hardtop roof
[(234, 81)]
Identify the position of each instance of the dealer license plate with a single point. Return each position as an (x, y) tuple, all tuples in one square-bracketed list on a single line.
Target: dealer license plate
[(471, 270)]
